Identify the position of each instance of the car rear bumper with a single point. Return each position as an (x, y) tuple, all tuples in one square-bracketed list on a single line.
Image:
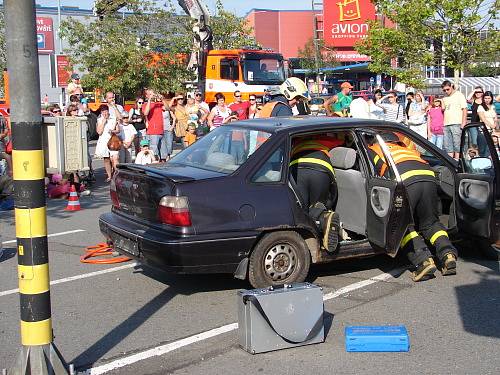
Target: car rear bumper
[(174, 253)]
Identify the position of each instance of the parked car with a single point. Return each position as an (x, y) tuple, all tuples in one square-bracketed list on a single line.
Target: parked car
[(316, 105), (214, 208)]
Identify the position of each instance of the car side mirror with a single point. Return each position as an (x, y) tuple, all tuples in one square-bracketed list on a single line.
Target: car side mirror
[(481, 163)]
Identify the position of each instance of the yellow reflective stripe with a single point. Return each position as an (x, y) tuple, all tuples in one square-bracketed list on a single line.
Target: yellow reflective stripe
[(36, 333), (313, 161), (410, 236), (31, 222), (33, 279), (28, 165), (436, 235), (377, 158), (417, 172)]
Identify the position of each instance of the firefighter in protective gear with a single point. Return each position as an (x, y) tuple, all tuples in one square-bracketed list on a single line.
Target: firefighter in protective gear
[(291, 93), (311, 168), (419, 180)]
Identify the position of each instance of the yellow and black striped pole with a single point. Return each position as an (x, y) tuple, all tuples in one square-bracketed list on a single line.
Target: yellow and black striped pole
[(38, 354)]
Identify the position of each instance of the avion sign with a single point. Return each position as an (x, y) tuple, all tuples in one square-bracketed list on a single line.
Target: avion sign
[(345, 21)]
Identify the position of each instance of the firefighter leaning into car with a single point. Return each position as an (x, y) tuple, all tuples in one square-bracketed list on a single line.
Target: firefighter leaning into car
[(419, 180), (312, 170), (290, 94)]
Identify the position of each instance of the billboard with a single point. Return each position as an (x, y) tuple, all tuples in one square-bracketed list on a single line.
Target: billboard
[(45, 34), (345, 21), (63, 72)]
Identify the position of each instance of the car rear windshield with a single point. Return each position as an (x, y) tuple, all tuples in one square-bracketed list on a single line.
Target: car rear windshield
[(222, 150)]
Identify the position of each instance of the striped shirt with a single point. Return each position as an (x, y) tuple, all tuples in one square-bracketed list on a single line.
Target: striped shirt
[(393, 112)]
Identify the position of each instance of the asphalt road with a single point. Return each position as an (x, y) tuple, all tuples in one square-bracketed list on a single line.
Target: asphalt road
[(125, 319)]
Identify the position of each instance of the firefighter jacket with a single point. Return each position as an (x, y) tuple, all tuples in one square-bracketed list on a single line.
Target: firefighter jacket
[(412, 168), (314, 154)]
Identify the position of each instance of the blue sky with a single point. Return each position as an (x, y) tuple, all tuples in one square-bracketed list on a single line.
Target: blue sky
[(239, 7)]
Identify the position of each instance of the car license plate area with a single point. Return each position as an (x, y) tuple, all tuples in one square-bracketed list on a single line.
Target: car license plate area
[(124, 244)]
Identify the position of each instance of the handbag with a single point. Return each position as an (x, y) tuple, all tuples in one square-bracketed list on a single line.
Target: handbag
[(115, 143), (8, 147)]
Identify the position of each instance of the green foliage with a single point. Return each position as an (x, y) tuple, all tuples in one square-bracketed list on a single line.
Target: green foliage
[(230, 31), (307, 56), (119, 53), (453, 27)]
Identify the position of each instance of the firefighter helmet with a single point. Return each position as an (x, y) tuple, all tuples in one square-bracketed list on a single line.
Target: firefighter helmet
[(294, 87)]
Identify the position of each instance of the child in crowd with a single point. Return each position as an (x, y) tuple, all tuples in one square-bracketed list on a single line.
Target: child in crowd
[(127, 135), (145, 156), (59, 186), (435, 123), (190, 137)]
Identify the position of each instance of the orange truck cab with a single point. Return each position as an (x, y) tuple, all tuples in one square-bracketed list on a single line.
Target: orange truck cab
[(247, 70)]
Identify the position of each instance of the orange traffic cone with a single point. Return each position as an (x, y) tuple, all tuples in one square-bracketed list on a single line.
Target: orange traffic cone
[(73, 201)]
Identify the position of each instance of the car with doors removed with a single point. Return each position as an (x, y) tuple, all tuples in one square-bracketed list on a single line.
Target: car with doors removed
[(227, 203)]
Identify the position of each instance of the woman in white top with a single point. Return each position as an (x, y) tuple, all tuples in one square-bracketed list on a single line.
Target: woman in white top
[(376, 113), (220, 114), (487, 113), (417, 119), (105, 128)]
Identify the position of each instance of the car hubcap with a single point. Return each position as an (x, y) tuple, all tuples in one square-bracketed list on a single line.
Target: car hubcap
[(280, 261)]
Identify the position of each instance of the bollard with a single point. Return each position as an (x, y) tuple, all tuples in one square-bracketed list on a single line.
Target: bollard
[(38, 354)]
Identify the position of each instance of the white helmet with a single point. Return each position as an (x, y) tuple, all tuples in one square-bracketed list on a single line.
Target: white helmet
[(294, 87)]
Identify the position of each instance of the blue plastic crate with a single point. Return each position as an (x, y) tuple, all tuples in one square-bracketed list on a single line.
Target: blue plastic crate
[(377, 339)]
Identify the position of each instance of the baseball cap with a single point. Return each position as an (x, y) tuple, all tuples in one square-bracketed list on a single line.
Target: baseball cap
[(75, 76), (144, 142), (346, 85)]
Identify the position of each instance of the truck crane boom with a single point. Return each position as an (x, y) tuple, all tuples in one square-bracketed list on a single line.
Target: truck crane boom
[(202, 43)]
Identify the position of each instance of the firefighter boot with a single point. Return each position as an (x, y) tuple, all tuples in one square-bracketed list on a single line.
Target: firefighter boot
[(424, 271), (449, 264), (330, 225)]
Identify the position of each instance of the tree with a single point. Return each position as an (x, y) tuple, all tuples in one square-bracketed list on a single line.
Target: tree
[(307, 56), (230, 31), (148, 47), (428, 32)]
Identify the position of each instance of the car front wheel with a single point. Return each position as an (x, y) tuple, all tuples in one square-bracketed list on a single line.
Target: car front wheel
[(279, 258)]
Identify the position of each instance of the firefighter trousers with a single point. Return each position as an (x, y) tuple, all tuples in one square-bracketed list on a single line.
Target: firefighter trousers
[(423, 199), (315, 186)]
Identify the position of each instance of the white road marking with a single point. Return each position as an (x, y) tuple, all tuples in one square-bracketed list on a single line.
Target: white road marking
[(167, 348), (53, 235), (77, 277)]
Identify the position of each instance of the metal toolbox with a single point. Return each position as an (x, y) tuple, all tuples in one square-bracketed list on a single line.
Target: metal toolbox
[(280, 317)]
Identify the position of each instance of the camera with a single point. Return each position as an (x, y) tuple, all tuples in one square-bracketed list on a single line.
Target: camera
[(233, 113)]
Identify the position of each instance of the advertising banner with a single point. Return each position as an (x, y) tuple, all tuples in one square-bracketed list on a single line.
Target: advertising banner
[(345, 21), (45, 35), (63, 74)]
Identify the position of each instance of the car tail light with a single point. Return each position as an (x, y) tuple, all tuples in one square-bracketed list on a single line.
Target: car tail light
[(174, 211), (114, 195)]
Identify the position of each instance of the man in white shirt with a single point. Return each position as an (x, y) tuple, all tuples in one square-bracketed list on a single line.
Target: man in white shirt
[(455, 118)]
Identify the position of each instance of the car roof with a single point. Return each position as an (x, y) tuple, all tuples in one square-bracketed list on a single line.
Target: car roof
[(305, 123)]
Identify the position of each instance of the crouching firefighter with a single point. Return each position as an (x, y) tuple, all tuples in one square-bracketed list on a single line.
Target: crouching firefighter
[(420, 182), (313, 173)]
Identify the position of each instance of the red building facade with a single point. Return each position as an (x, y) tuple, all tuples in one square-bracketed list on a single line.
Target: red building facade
[(341, 24)]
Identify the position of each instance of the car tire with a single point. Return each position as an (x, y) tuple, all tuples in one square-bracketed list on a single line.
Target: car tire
[(489, 251), (279, 258)]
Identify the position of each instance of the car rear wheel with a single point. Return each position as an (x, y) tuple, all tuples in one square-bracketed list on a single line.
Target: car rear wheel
[(279, 258)]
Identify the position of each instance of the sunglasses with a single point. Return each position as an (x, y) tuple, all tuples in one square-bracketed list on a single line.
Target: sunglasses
[(237, 96), (252, 99), (140, 102), (198, 95), (57, 111)]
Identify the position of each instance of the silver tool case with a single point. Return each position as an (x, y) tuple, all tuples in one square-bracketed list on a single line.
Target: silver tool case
[(280, 317)]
